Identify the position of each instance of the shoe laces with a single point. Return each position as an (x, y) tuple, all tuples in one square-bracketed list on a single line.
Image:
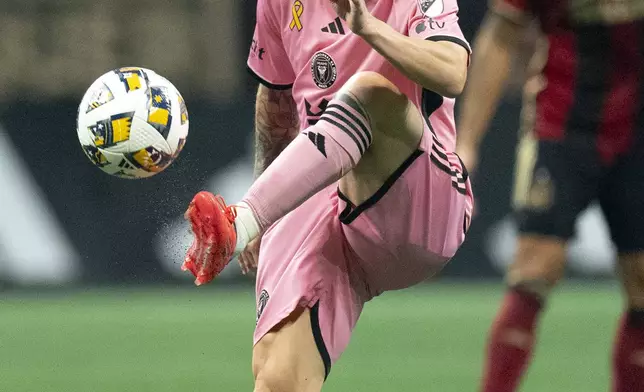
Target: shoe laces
[(229, 211)]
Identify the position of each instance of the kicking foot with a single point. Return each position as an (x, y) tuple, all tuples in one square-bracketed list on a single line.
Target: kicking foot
[(213, 227)]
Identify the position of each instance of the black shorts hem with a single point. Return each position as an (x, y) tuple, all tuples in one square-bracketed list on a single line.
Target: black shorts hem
[(267, 83), (544, 224), (351, 212), (319, 340)]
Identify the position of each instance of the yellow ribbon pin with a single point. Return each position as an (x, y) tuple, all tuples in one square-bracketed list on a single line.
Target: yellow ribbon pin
[(297, 11)]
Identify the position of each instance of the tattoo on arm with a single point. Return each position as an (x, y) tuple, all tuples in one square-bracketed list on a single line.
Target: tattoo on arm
[(276, 125)]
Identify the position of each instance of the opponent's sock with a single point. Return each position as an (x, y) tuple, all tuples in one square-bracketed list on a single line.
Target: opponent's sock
[(510, 342), (317, 157), (628, 357)]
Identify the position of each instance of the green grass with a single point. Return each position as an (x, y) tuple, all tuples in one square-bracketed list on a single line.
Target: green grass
[(157, 340)]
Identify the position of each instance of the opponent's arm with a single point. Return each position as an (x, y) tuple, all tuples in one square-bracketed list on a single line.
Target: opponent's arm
[(495, 46), (276, 125)]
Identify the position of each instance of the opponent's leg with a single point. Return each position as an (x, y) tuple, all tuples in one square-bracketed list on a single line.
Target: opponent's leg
[(554, 182), (287, 358), (623, 210), (628, 359), (538, 266)]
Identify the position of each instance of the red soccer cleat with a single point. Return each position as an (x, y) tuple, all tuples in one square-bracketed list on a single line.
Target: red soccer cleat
[(215, 236)]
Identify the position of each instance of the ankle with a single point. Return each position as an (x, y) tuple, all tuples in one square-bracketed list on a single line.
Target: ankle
[(246, 226)]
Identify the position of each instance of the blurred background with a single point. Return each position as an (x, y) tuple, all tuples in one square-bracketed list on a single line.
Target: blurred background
[(91, 295)]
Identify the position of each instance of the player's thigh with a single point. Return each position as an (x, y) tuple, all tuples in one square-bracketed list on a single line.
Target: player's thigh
[(287, 358), (554, 182), (305, 264), (414, 224), (397, 128)]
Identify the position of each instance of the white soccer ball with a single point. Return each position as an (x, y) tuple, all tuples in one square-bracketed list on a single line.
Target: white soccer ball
[(132, 123)]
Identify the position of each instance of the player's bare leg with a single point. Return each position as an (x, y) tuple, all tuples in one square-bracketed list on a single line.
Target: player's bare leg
[(628, 360), (287, 358), (538, 266)]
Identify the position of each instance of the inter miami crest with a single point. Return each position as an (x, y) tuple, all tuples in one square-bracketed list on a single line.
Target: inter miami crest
[(323, 70), (261, 304), (431, 8)]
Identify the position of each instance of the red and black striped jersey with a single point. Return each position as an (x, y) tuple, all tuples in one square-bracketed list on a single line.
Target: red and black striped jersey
[(592, 76)]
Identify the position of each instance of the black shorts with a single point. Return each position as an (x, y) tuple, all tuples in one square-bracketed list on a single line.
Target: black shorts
[(556, 180)]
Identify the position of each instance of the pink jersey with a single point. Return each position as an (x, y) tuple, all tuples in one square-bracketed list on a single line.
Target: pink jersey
[(304, 45)]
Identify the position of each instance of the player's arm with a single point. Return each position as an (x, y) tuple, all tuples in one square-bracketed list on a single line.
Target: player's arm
[(276, 125), (276, 117), (495, 46), (439, 66)]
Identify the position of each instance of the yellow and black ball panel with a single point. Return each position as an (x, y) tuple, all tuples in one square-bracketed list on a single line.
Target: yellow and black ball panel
[(112, 131), (160, 110), (183, 110), (95, 155), (150, 159), (121, 166), (133, 78)]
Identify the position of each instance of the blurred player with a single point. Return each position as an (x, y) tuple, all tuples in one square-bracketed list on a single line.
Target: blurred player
[(584, 141), (368, 198)]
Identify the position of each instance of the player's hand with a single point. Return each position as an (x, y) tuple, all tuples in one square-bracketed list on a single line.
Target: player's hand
[(354, 12), (249, 258)]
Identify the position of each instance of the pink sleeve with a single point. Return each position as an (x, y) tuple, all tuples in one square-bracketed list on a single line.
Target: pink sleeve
[(437, 20), (267, 59)]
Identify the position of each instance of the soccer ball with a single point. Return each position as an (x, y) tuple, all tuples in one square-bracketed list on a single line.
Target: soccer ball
[(132, 123)]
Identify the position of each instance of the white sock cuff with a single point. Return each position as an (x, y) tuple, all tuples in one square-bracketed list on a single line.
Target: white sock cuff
[(246, 226)]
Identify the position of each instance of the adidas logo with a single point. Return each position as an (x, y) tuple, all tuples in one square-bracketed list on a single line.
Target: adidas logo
[(334, 27), (318, 141)]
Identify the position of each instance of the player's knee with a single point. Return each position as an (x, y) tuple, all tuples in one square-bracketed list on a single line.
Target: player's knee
[(382, 101), (271, 375), (370, 86), (632, 271), (280, 359), (276, 375), (538, 265), (273, 382)]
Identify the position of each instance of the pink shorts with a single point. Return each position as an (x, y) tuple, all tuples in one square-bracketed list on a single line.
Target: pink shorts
[(332, 257)]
